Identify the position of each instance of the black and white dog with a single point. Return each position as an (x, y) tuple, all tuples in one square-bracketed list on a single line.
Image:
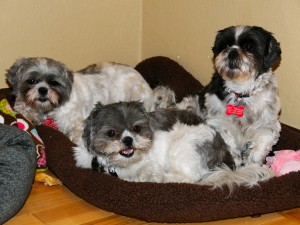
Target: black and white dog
[(167, 145), (241, 102)]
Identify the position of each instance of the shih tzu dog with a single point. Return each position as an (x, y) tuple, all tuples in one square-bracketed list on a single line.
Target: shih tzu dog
[(163, 98), (241, 102), (189, 103), (167, 145), (45, 88)]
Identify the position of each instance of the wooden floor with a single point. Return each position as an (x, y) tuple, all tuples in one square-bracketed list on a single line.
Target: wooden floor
[(57, 205)]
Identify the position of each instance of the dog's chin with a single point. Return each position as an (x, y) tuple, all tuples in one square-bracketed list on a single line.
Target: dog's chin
[(235, 75), (127, 157), (42, 104), (238, 72)]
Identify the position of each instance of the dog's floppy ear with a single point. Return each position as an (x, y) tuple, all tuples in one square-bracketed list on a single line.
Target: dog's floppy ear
[(89, 123), (272, 52), (13, 73), (87, 132), (220, 43), (141, 106), (67, 73), (69, 78)]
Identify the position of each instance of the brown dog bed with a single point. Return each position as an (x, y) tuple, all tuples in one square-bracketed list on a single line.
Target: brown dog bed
[(170, 202)]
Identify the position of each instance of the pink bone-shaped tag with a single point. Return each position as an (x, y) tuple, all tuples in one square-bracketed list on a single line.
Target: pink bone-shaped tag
[(235, 110)]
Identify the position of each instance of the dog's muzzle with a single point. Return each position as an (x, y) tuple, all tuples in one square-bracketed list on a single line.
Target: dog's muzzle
[(233, 59), (43, 93), (129, 150)]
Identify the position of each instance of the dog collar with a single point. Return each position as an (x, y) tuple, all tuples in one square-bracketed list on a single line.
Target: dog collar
[(100, 168), (238, 95)]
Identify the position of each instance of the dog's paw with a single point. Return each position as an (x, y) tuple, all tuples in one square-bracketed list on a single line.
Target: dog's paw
[(150, 173), (151, 178), (148, 176)]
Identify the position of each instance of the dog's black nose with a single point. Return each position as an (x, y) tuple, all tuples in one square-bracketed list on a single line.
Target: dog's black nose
[(43, 91), (233, 54), (127, 141)]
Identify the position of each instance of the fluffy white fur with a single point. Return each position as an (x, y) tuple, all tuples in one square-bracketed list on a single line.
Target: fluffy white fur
[(116, 82)]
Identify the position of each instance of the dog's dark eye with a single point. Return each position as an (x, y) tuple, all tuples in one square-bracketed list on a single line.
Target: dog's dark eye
[(111, 133), (248, 47), (136, 128), (54, 83), (32, 81), (224, 45)]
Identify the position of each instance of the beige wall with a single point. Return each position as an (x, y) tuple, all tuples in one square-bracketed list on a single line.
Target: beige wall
[(184, 30), (80, 32), (76, 32)]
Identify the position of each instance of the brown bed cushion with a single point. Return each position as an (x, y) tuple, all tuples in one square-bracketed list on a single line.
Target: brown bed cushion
[(170, 202)]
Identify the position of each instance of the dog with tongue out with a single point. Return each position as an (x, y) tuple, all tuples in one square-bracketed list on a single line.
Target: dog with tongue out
[(167, 145)]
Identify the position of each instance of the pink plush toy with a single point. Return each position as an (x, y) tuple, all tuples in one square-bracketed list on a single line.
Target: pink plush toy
[(284, 161)]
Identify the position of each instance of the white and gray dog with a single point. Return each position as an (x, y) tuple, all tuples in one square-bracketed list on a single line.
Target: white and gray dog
[(241, 101), (47, 88), (167, 145)]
